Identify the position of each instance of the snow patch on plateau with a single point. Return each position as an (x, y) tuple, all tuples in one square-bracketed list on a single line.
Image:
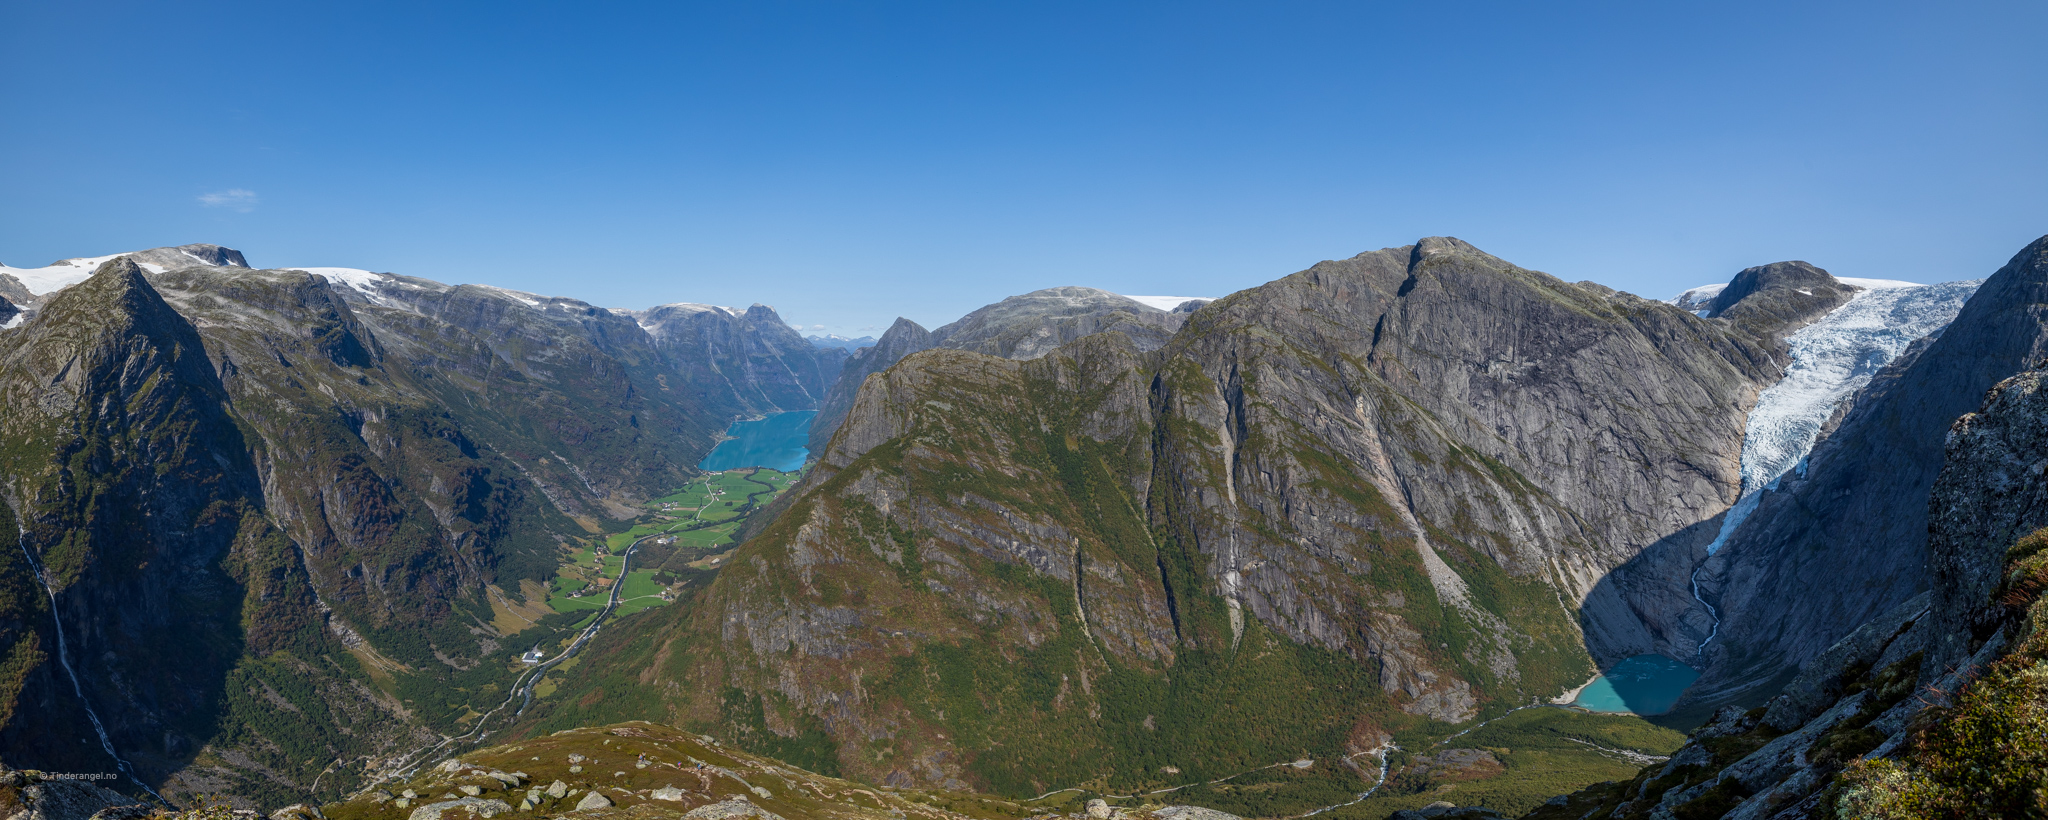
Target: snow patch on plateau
[(1165, 302), (528, 299), (1697, 298), (64, 273), (1831, 360), (1881, 284), (360, 281), (693, 307)]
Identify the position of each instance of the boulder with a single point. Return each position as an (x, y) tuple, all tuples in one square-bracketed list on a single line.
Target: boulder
[(296, 811), (734, 807), (1098, 809), (558, 789), (1192, 813), (669, 793), (593, 800), (473, 806)]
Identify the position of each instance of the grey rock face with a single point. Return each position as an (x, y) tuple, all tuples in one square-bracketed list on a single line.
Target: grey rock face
[(14, 291), (1033, 324), (744, 363), (901, 339), (593, 800), (297, 811), (1820, 683), (48, 798), (185, 256), (1847, 541), (1991, 492), (728, 809)]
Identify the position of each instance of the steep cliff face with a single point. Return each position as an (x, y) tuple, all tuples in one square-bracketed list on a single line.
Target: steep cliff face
[(1845, 540), (764, 364), (901, 339), (1377, 495), (136, 493), (578, 398)]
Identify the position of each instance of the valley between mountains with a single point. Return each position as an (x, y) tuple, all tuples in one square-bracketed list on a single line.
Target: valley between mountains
[(1351, 543)]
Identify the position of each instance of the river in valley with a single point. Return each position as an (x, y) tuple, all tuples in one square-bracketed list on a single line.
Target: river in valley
[(776, 442)]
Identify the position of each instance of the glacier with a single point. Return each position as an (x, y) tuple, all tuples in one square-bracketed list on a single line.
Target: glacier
[(1831, 359)]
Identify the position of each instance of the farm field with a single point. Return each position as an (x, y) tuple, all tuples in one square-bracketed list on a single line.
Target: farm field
[(700, 517)]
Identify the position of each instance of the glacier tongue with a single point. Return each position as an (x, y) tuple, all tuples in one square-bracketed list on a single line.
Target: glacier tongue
[(1831, 360)]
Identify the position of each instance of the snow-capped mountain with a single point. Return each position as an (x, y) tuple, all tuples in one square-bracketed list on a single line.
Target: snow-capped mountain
[(63, 273)]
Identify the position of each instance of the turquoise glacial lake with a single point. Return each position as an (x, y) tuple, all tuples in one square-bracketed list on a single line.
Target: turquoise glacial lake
[(1644, 685), (776, 442)]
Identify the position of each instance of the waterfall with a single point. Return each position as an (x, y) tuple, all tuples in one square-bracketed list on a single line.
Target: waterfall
[(64, 659)]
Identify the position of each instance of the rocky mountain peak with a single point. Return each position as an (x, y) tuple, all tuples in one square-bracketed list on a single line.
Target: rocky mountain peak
[(1779, 297), (185, 255), (1434, 246)]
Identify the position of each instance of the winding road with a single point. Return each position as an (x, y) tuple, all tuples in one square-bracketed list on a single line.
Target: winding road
[(522, 686)]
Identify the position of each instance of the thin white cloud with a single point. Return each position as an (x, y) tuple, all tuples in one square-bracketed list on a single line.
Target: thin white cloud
[(239, 200)]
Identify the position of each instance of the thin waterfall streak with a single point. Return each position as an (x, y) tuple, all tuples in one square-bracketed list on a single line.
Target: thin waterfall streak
[(64, 660)]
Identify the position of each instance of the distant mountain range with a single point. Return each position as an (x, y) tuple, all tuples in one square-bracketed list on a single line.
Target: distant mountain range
[(282, 533), (841, 342)]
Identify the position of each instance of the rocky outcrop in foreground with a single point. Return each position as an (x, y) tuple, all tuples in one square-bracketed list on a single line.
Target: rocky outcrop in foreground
[(648, 771), (35, 795)]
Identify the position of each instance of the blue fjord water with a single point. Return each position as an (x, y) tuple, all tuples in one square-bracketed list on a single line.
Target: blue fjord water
[(1644, 685), (775, 442)]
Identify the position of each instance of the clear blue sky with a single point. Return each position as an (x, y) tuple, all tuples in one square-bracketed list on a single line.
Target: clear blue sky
[(850, 162)]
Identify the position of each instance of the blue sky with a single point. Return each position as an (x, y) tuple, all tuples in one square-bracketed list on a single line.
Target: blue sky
[(851, 162)]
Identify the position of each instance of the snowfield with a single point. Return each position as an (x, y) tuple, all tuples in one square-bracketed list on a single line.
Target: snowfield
[(64, 273), (1167, 303)]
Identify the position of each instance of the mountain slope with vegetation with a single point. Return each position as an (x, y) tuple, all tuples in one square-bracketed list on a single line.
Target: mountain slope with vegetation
[(1336, 510), (275, 529)]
